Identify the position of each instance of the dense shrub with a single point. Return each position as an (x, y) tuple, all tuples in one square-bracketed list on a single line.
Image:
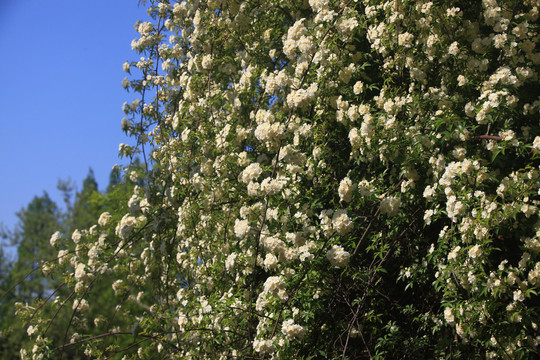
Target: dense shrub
[(324, 179)]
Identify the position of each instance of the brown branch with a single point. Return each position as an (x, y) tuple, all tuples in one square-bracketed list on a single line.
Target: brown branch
[(44, 302), (485, 137), (92, 338)]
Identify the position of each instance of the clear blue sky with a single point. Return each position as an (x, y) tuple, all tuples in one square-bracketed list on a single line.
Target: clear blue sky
[(60, 93)]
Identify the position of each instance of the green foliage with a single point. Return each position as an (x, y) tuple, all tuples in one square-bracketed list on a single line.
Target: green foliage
[(86, 207), (22, 281)]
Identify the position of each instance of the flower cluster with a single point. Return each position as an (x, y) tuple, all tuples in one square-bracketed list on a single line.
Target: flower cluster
[(338, 256)]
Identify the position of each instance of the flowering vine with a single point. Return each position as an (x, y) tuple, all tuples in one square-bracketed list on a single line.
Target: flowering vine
[(324, 179)]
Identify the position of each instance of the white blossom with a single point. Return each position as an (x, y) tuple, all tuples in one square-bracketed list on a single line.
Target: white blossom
[(390, 206), (338, 256), (55, 238), (346, 189), (104, 219), (341, 222), (241, 228), (292, 330)]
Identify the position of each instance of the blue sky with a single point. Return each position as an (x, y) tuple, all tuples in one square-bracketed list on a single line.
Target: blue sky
[(61, 94)]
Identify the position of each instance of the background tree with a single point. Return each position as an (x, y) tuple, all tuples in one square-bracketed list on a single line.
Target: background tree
[(6, 305), (36, 223), (32, 236), (86, 208)]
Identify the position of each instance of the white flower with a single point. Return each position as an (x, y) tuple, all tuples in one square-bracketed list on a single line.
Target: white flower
[(459, 330), (269, 132), (469, 110), (306, 45), (271, 186), (405, 39), (341, 222), (126, 226), (462, 80), (241, 228), (528, 210), (302, 97), (117, 285), (251, 172), (76, 236), (429, 192), (206, 61), (104, 219), (346, 73), (93, 254), (145, 28), (80, 274), (338, 256), (292, 330), (253, 188), (276, 286), (270, 262), (80, 305), (453, 49), (454, 207), (182, 320), (536, 143), (263, 346), (229, 263), (453, 11), (475, 251), (358, 87), (318, 5), (125, 83), (499, 40), (354, 138), (31, 330), (205, 306), (454, 253), (390, 206), (297, 30), (518, 295), (427, 216), (449, 316), (55, 238), (365, 188), (346, 26), (346, 189), (366, 129), (62, 256)]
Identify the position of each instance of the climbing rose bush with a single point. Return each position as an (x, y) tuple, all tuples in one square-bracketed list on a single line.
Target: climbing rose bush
[(324, 179)]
